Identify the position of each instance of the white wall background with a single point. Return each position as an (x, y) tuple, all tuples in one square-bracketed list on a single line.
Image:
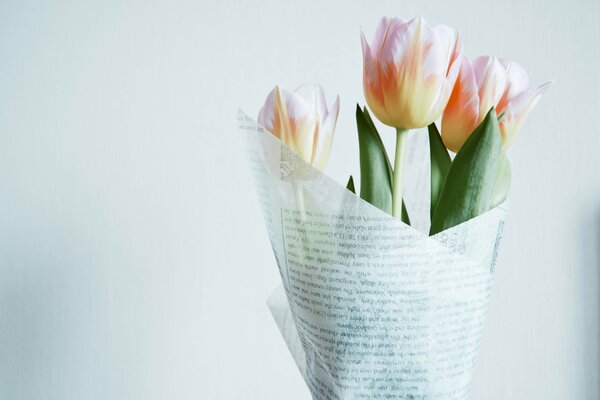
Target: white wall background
[(133, 259)]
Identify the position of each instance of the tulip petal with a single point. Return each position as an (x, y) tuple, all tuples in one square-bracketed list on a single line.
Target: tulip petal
[(292, 119), (516, 111), (490, 76), (273, 115), (297, 107), (303, 136), (441, 43), (461, 115), (405, 84), (330, 121), (386, 30), (371, 71), (366, 49), (380, 74), (281, 127), (380, 33), (324, 140), (397, 42), (447, 86), (314, 97), (517, 82), (438, 49), (266, 115)]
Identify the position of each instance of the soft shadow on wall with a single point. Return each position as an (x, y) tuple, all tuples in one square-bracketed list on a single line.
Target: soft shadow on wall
[(50, 344), (587, 312)]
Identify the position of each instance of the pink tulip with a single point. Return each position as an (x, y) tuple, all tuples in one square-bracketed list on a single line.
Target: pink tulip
[(409, 71), (484, 83), (302, 120)]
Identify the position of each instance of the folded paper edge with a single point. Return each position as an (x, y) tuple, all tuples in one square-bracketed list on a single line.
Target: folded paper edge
[(501, 208), (280, 310)]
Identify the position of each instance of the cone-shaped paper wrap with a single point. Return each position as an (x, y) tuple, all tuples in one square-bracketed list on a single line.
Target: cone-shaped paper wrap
[(375, 309)]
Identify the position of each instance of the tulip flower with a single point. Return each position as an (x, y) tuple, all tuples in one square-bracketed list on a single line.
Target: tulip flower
[(408, 75), (302, 120), (409, 71), (484, 83)]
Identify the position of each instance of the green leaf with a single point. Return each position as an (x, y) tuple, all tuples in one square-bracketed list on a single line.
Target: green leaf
[(350, 185), (375, 168), (404, 215), (502, 185), (388, 165), (469, 185), (440, 165)]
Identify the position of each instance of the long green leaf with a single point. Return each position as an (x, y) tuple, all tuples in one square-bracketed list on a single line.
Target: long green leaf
[(440, 165), (368, 118), (350, 185), (502, 184), (375, 168), (404, 217), (469, 185)]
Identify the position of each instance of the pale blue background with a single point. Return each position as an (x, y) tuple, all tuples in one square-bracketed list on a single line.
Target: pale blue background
[(133, 259)]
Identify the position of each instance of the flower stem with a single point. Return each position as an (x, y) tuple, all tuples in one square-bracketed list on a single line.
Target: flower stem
[(401, 135)]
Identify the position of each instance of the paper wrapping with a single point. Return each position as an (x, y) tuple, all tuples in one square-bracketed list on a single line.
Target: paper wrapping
[(370, 307)]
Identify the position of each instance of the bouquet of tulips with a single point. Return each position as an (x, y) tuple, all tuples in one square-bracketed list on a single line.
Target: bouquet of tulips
[(370, 307)]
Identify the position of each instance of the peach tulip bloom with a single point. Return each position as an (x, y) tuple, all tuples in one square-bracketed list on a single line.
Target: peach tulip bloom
[(302, 120), (484, 83), (409, 71)]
